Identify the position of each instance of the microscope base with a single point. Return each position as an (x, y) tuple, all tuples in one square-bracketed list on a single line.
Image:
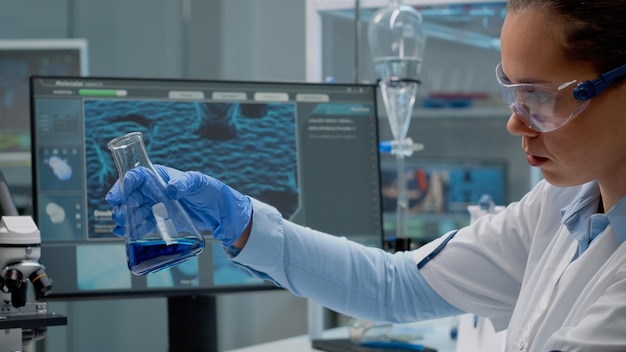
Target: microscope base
[(10, 340)]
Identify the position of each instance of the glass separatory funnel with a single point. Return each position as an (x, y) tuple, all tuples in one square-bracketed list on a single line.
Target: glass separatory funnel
[(159, 232), (397, 40)]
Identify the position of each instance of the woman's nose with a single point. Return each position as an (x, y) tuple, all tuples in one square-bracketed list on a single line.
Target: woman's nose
[(517, 126)]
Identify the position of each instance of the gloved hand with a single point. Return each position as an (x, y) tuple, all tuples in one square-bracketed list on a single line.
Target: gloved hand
[(211, 204)]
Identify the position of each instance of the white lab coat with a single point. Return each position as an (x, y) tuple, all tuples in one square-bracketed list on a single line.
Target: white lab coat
[(516, 268)]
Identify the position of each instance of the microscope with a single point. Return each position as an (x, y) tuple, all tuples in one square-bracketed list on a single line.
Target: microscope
[(21, 321)]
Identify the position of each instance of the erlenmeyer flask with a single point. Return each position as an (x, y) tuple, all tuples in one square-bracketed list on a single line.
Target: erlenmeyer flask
[(163, 237)]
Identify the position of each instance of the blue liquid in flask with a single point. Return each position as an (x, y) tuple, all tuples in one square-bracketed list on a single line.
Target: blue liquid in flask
[(173, 238), (148, 256)]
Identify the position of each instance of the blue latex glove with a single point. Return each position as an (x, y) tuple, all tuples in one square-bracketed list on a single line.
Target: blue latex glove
[(211, 204)]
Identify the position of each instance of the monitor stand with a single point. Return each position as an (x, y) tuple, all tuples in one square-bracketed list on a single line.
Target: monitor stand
[(192, 323)]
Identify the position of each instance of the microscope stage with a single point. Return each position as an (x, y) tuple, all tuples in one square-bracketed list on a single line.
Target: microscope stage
[(30, 321)]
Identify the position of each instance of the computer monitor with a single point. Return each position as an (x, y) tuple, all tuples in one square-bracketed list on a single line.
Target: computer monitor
[(309, 149), (20, 58), (439, 190)]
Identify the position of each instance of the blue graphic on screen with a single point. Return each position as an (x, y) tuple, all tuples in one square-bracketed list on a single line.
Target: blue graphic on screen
[(60, 167), (61, 217), (250, 146)]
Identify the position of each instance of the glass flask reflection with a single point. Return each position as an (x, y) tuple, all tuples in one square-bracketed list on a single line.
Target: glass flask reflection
[(159, 232)]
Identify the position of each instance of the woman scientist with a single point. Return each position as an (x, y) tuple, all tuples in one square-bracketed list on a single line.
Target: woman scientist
[(550, 268)]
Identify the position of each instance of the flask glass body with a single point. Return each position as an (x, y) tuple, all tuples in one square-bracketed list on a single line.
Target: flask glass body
[(158, 231)]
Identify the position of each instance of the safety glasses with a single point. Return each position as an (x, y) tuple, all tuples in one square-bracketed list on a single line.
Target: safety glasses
[(544, 107)]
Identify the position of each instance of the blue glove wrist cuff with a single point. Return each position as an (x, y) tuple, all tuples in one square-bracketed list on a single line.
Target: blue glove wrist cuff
[(232, 251)]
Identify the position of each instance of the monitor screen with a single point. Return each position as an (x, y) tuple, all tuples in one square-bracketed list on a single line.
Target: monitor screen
[(18, 60), (309, 149), (439, 190)]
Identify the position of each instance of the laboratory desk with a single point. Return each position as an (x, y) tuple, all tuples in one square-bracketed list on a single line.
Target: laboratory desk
[(436, 335)]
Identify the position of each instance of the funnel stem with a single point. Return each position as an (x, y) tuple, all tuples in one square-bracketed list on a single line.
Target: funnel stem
[(402, 208)]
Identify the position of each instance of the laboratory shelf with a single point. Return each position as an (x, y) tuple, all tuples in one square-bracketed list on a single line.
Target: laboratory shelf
[(475, 23), (464, 113), (333, 5), (460, 113)]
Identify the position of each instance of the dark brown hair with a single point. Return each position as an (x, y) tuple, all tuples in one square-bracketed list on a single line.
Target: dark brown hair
[(595, 30)]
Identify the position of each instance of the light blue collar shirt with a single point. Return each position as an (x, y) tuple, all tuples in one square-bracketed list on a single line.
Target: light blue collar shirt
[(585, 223)]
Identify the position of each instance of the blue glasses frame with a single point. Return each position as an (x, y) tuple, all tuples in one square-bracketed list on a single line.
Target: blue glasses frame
[(589, 89)]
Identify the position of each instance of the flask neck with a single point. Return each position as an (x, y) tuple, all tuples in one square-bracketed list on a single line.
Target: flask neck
[(129, 152)]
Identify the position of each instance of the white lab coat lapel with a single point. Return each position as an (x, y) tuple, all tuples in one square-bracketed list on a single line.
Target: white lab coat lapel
[(597, 285), (538, 290), (598, 305), (555, 289)]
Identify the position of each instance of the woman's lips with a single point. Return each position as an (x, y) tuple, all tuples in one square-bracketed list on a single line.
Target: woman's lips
[(536, 160)]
